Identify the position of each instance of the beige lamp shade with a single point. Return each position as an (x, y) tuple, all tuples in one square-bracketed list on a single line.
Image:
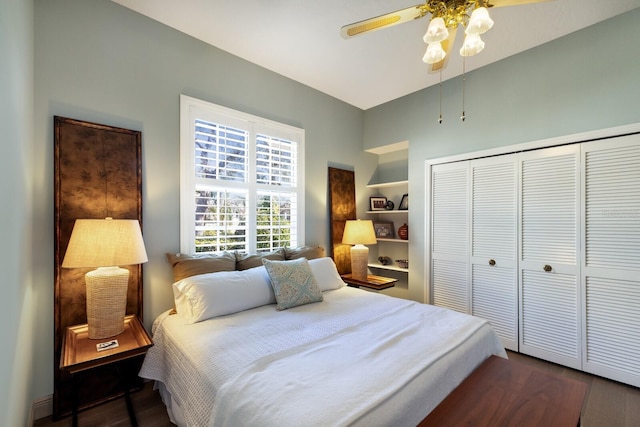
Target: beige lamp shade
[(106, 244), (359, 233)]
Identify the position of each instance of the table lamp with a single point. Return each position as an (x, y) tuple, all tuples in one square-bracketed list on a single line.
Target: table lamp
[(105, 244), (359, 233)]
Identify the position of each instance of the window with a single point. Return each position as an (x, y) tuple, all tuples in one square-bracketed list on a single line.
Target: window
[(242, 181)]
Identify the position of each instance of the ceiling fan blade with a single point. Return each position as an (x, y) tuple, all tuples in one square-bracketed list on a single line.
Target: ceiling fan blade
[(447, 46), (382, 21), (501, 3)]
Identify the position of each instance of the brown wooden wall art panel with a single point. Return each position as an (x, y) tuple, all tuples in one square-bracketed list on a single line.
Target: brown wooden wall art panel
[(342, 199), (98, 174)]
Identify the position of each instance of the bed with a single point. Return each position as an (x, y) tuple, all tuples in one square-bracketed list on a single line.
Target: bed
[(233, 355)]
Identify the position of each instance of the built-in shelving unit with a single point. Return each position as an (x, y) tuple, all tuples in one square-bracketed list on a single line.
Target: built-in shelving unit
[(388, 212), (381, 239), (388, 184), (394, 248), (388, 267)]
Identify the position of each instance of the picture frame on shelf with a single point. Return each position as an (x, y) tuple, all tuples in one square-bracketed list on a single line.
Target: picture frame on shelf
[(404, 203), (383, 230), (377, 203)]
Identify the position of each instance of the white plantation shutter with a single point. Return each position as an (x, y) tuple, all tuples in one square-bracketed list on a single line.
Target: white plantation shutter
[(450, 236), (550, 303), (220, 220), (274, 226), (221, 152), (611, 266), (275, 161), (493, 239), (242, 181)]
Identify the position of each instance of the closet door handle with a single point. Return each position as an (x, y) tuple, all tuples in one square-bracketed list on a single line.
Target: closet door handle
[(547, 268), (492, 262)]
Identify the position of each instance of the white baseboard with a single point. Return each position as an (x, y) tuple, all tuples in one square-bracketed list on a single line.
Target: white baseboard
[(42, 407)]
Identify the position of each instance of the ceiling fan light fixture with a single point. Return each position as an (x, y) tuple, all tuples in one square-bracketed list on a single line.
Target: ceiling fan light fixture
[(436, 32), (472, 45), (434, 53), (480, 22)]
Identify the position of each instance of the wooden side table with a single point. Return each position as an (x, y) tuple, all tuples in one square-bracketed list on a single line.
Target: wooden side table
[(80, 355), (373, 282)]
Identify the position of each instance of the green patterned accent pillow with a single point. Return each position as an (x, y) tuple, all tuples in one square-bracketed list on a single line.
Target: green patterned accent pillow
[(293, 283)]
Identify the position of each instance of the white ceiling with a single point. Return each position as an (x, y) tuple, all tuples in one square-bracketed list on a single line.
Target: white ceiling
[(301, 39)]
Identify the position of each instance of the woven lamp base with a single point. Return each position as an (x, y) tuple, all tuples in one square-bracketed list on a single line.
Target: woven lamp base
[(359, 262), (106, 301)]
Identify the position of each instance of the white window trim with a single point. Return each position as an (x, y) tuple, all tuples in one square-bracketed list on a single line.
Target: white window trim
[(187, 166)]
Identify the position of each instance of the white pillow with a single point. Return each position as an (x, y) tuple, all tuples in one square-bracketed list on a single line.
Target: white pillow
[(326, 274), (210, 295)]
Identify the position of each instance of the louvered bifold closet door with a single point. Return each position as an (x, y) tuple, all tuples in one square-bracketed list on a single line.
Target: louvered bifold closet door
[(611, 261), (494, 274), (450, 236), (549, 251)]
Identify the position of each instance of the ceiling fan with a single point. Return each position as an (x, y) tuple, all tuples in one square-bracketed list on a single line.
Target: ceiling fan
[(446, 17)]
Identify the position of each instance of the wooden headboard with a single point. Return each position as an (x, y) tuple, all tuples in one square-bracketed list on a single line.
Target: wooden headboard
[(342, 200), (97, 173)]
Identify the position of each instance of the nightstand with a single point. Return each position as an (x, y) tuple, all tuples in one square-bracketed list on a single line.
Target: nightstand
[(80, 355), (373, 282)]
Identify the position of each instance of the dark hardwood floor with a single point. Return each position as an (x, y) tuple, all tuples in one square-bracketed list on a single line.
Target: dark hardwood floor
[(607, 404), (150, 412)]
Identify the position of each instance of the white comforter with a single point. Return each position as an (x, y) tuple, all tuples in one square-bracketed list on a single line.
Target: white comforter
[(358, 358)]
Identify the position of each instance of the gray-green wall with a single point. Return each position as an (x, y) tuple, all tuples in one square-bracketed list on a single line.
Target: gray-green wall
[(100, 62), (556, 89), (19, 296)]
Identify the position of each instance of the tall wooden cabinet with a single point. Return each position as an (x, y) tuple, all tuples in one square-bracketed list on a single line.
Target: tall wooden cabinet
[(545, 244)]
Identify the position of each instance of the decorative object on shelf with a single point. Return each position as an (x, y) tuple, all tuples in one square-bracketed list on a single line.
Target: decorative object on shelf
[(403, 232), (404, 203), (403, 263), (105, 244), (390, 205), (377, 203), (383, 230), (384, 260), (359, 233)]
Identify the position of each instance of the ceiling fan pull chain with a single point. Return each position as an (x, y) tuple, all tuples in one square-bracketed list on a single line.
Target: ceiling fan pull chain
[(440, 86), (464, 78)]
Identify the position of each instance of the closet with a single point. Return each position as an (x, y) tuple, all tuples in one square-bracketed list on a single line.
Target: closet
[(544, 242)]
